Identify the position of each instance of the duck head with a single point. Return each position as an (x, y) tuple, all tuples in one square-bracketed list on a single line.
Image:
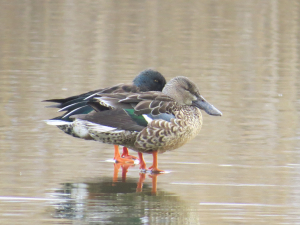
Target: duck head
[(150, 80), (185, 92)]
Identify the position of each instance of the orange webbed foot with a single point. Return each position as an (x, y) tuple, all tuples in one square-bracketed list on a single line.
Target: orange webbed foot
[(119, 159), (124, 160), (154, 168), (126, 155)]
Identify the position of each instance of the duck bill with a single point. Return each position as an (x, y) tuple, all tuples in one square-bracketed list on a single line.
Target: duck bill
[(201, 103)]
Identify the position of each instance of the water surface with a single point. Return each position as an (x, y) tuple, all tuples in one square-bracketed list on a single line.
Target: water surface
[(243, 168)]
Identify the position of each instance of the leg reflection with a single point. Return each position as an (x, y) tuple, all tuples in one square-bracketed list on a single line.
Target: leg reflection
[(124, 167), (140, 182), (142, 179)]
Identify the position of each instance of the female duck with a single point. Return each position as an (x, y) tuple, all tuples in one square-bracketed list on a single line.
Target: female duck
[(150, 122)]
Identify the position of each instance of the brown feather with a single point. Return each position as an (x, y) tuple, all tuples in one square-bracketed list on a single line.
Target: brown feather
[(112, 118)]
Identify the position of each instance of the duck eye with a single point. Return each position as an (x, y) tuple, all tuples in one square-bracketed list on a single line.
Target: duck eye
[(156, 81)]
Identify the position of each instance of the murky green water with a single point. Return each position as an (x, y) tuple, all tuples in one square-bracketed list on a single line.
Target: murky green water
[(243, 168)]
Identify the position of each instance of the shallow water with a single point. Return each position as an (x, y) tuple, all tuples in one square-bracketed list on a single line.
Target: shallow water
[(243, 167)]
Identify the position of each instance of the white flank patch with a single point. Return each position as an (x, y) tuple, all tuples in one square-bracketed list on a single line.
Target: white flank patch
[(92, 126), (147, 118), (81, 131), (57, 122)]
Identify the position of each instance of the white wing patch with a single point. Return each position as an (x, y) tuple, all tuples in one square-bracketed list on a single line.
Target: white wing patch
[(147, 118), (57, 122)]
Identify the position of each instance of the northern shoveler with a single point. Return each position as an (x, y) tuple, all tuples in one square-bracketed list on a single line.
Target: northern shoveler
[(147, 80)]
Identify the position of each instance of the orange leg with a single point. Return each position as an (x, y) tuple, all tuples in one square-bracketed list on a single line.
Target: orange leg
[(126, 155), (154, 168), (142, 161), (119, 159)]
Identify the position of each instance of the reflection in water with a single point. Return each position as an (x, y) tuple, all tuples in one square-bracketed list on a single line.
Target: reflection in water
[(113, 200), (139, 188)]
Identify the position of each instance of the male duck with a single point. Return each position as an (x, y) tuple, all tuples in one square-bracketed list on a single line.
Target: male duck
[(147, 80), (150, 122)]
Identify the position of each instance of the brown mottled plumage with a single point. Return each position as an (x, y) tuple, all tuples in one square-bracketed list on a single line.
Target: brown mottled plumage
[(151, 122)]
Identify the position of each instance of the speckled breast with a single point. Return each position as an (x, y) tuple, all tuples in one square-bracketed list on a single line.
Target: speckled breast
[(162, 135)]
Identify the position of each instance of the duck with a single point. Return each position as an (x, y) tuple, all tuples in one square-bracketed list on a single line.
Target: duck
[(147, 80), (148, 122)]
